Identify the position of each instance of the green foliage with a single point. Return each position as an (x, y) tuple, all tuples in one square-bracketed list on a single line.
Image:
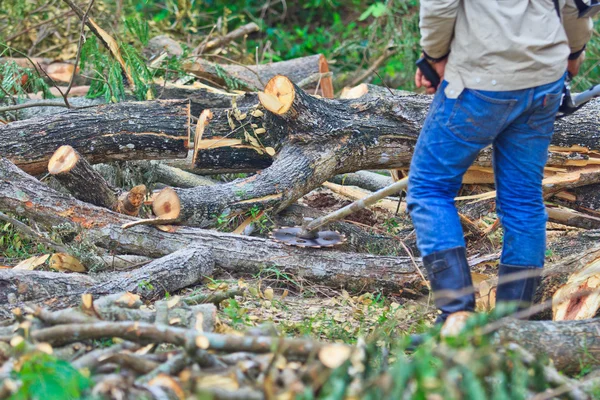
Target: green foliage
[(145, 285), (238, 316), (139, 29), (42, 376), (108, 79), (17, 81), (14, 246)]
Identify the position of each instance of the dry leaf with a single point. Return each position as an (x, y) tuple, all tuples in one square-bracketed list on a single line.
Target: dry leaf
[(173, 301), (270, 151), (65, 262), (268, 293), (332, 356), (31, 263), (259, 131), (128, 300)]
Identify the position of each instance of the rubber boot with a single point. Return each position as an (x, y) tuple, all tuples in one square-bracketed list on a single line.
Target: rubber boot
[(449, 273), (518, 288)]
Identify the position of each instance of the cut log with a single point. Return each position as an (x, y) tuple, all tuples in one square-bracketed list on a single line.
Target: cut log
[(24, 195), (255, 77), (124, 131), (86, 184), (359, 134), (80, 179)]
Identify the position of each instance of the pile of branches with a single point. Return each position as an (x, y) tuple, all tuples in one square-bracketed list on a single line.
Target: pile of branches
[(171, 352)]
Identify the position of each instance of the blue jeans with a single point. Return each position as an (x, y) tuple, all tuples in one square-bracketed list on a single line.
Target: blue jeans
[(519, 124)]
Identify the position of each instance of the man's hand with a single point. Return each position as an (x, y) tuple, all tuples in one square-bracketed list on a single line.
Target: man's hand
[(575, 64), (421, 81)]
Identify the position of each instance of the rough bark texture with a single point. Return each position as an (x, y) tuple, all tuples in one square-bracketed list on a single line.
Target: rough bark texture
[(255, 77), (587, 199), (26, 196), (124, 131)]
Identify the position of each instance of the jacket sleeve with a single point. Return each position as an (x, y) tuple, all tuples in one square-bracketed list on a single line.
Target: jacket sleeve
[(579, 30), (437, 18)]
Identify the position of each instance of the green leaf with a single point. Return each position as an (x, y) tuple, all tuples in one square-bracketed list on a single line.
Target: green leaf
[(42, 376)]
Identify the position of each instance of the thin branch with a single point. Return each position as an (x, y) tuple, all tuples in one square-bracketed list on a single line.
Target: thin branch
[(34, 104), (81, 39)]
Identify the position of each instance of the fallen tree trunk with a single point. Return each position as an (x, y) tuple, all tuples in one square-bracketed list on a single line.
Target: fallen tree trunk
[(255, 77), (122, 131), (170, 273), (24, 195), (315, 139)]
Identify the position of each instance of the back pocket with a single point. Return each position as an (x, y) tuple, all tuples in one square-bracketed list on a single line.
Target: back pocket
[(542, 118), (478, 118)]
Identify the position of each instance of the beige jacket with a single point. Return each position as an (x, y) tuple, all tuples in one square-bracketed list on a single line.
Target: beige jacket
[(501, 44)]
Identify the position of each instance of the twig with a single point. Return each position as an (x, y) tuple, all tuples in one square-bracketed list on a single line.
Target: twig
[(33, 104), (56, 86), (376, 64), (78, 56)]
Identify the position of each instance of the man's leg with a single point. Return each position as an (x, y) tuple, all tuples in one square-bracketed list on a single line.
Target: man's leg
[(520, 154), (452, 136)]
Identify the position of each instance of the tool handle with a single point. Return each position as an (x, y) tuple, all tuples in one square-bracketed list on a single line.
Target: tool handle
[(430, 73), (584, 97), (358, 205)]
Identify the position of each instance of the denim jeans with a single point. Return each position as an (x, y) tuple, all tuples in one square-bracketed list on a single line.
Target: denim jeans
[(519, 124)]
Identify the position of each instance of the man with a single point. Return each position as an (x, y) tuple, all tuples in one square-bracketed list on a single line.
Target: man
[(503, 65)]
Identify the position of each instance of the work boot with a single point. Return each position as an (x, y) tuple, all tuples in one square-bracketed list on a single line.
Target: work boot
[(517, 285), (449, 273)]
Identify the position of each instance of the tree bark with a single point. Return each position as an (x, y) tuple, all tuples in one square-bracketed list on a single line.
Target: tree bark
[(24, 195), (255, 77), (124, 131)]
